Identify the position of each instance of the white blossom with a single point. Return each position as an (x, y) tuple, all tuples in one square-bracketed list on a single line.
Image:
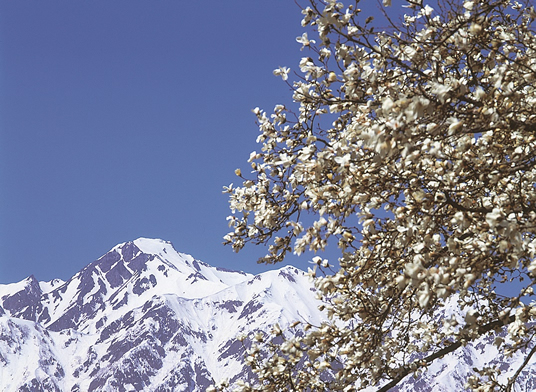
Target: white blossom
[(412, 150), (305, 41), (283, 72)]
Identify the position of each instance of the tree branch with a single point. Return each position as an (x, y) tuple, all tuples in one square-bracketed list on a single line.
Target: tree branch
[(512, 380), (404, 371)]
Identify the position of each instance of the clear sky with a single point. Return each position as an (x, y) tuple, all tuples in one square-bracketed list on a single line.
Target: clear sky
[(124, 119)]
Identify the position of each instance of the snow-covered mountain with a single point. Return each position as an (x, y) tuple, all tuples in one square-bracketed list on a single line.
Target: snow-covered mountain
[(142, 317), (145, 317)]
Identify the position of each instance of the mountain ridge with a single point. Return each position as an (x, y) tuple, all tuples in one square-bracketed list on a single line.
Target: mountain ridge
[(146, 317), (142, 317)]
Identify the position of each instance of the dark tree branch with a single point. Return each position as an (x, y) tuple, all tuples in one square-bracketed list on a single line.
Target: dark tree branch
[(512, 380), (404, 371)]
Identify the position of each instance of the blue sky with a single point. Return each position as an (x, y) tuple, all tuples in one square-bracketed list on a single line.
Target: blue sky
[(124, 119)]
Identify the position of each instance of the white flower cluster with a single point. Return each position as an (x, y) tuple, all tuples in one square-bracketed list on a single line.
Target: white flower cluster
[(414, 149)]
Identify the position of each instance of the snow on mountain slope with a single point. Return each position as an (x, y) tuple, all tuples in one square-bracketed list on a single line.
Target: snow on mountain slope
[(145, 317), (142, 317), (50, 285), (127, 277), (32, 358)]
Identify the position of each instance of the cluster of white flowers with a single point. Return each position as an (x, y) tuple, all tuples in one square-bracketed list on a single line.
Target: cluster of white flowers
[(414, 149)]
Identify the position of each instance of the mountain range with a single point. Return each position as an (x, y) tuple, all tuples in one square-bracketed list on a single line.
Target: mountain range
[(141, 317), (145, 317)]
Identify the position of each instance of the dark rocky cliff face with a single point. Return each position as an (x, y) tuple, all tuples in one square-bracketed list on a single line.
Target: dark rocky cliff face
[(24, 303)]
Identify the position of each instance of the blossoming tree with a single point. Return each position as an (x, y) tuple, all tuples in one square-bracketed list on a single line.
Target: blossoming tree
[(410, 146)]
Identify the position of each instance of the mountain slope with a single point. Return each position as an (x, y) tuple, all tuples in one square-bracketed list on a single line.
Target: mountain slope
[(145, 317), (142, 317)]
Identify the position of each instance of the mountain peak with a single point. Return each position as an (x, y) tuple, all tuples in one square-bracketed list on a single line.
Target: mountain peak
[(153, 245), (150, 246), (21, 299), (142, 315), (135, 254)]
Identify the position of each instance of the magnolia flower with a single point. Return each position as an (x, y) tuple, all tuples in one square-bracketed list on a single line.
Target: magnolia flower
[(344, 160), (304, 40), (283, 72), (479, 93), (494, 217), (469, 5), (424, 295), (441, 90), (285, 159), (427, 10), (455, 124), (422, 135)]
